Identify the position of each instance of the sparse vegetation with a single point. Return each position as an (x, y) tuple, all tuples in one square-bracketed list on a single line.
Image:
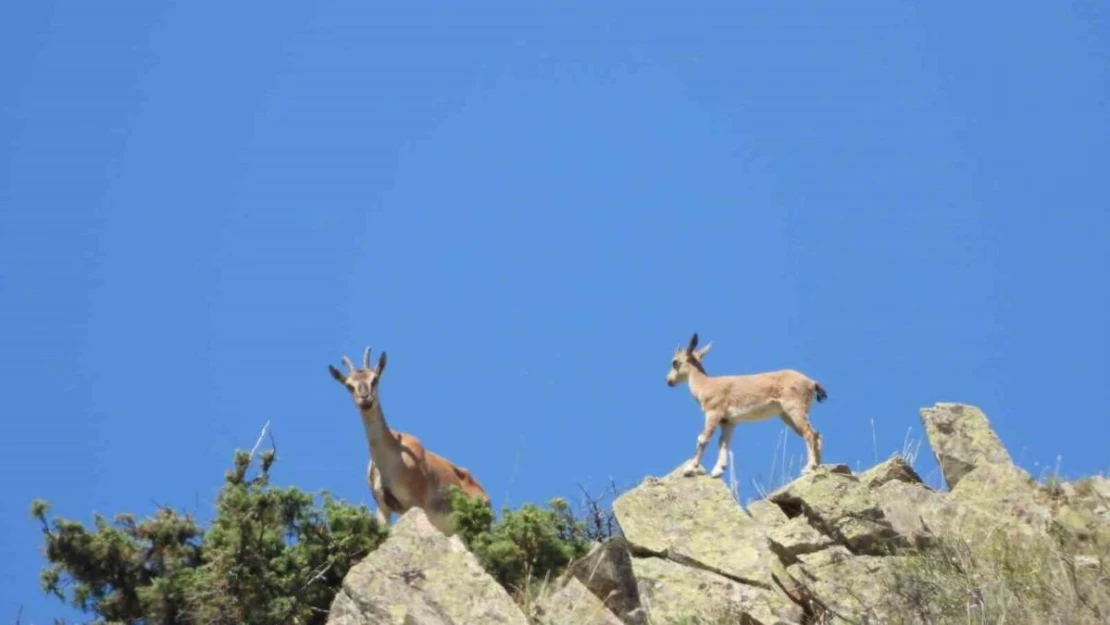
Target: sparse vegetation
[(1034, 579)]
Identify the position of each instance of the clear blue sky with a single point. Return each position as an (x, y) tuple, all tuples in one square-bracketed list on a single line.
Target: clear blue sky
[(204, 204)]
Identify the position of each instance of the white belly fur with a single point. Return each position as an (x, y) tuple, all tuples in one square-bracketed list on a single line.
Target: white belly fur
[(752, 412)]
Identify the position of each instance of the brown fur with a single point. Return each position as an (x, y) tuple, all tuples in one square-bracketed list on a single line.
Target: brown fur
[(402, 473), (727, 400)]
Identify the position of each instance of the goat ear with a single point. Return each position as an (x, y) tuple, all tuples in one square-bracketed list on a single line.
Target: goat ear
[(703, 351), (693, 343), (381, 363), (337, 375)]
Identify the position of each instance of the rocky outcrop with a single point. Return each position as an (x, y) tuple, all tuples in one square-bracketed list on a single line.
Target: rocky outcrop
[(573, 604), (687, 521), (962, 440), (813, 551), (607, 572), (418, 576)]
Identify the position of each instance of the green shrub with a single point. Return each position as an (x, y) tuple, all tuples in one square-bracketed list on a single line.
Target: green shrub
[(270, 556), (526, 544)]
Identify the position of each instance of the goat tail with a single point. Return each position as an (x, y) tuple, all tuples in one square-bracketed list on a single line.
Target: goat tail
[(819, 392)]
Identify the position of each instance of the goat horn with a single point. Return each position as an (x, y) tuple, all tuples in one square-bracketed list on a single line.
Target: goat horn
[(347, 363), (366, 358)]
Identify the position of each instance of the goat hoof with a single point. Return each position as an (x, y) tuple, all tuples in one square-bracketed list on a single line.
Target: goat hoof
[(716, 473)]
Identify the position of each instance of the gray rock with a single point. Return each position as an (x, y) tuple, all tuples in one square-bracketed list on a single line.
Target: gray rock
[(1006, 492), (673, 593), (418, 576), (841, 507), (894, 468), (846, 586), (797, 537), (607, 572), (694, 521), (573, 604), (962, 440), (768, 515)]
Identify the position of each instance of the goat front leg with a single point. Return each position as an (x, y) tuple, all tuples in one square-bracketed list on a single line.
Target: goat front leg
[(693, 466), (383, 514), (722, 450)]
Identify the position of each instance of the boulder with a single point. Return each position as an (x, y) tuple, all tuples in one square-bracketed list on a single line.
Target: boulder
[(419, 576), (915, 511), (962, 440), (988, 493), (797, 537), (346, 611), (694, 521), (845, 585), (768, 515), (841, 507), (573, 604), (894, 468), (673, 593), (1082, 519), (607, 572), (1006, 492)]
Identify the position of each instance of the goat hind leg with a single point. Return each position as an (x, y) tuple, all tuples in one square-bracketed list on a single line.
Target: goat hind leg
[(798, 420)]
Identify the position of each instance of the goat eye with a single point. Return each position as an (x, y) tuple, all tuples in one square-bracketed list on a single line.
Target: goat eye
[(674, 363)]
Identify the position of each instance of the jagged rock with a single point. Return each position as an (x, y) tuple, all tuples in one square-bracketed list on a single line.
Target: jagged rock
[(839, 468), (346, 611), (921, 514), (673, 593), (846, 584), (962, 440), (797, 537), (607, 572), (915, 511), (1082, 520), (988, 492), (894, 468), (573, 604), (418, 576), (767, 514), (789, 537), (1008, 492), (694, 521), (1090, 494), (840, 507)]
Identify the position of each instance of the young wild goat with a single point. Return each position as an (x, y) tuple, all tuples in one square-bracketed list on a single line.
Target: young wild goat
[(402, 474), (730, 399)]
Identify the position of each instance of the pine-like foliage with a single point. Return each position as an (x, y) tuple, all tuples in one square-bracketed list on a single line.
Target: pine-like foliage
[(271, 556), (526, 544)]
